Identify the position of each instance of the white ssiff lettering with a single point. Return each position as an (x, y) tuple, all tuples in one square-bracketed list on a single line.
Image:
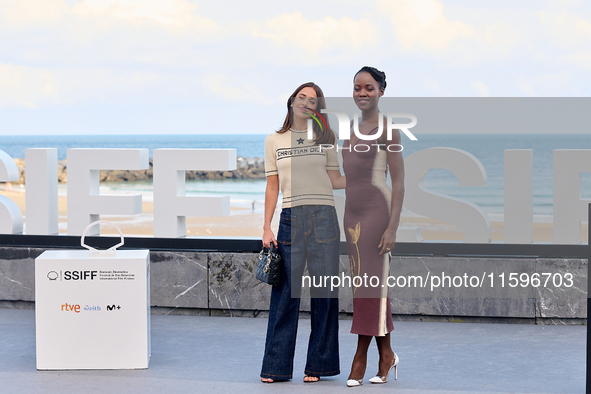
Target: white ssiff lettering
[(171, 206)]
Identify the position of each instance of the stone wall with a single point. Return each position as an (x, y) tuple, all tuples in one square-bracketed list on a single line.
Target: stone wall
[(226, 282), (246, 168)]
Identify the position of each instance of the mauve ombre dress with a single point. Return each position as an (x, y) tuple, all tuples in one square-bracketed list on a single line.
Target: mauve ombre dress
[(367, 214)]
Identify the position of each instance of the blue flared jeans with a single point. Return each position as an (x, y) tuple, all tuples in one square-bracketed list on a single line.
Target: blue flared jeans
[(308, 233)]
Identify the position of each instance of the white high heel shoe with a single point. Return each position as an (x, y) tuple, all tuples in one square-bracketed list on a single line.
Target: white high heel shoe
[(384, 379), (354, 382)]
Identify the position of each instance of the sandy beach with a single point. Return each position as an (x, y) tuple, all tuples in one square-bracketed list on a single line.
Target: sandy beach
[(243, 223)]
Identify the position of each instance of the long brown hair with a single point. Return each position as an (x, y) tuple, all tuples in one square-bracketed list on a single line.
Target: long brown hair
[(320, 136)]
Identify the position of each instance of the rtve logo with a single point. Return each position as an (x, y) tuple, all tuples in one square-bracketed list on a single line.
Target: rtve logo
[(70, 308)]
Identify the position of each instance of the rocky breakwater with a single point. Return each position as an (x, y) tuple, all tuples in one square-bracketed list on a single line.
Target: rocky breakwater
[(246, 168)]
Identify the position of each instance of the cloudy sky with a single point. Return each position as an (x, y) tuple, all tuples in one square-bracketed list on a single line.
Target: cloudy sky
[(180, 66)]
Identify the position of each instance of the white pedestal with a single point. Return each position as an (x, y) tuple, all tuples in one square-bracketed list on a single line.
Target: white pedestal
[(92, 310)]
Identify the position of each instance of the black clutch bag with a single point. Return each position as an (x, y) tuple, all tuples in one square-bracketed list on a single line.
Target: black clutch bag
[(269, 266)]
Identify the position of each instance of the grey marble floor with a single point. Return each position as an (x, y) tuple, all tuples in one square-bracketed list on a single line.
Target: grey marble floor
[(195, 354)]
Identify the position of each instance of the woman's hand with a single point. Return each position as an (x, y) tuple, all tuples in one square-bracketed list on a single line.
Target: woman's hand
[(268, 237), (337, 180), (388, 241)]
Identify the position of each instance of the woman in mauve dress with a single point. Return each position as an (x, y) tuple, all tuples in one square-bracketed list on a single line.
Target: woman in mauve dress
[(372, 213)]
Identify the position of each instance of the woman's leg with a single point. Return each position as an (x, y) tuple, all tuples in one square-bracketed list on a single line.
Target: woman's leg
[(360, 359), (284, 309), (386, 354), (323, 346), (322, 238), (281, 333)]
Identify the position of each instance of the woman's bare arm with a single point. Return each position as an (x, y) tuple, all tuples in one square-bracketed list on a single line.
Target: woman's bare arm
[(396, 166), (271, 195)]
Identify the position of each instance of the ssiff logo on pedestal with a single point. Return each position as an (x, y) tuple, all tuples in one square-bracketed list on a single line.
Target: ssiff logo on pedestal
[(72, 275)]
